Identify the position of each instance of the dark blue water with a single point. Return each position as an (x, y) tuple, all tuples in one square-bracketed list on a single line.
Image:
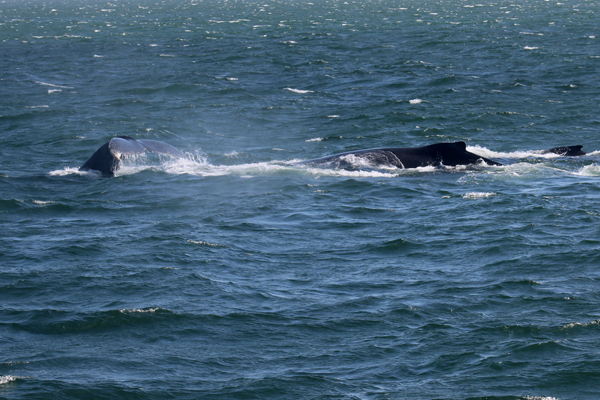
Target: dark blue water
[(238, 274)]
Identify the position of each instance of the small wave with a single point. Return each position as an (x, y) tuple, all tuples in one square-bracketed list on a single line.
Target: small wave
[(415, 101), (204, 168), (7, 378), (478, 195), (391, 246), (319, 139), (44, 203), (298, 90), (64, 322), (53, 85), (203, 243), (589, 170), (141, 310), (485, 152), (235, 21), (351, 173), (581, 325), (9, 205), (72, 171)]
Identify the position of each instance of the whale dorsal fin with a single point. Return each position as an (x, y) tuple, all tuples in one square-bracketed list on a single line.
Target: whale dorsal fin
[(461, 144)]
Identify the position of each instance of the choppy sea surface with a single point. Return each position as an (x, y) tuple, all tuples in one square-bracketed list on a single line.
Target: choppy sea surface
[(238, 274)]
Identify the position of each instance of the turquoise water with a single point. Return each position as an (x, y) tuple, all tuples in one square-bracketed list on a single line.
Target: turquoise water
[(238, 274)]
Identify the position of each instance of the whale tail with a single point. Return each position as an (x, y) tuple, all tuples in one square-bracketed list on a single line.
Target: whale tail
[(107, 158)]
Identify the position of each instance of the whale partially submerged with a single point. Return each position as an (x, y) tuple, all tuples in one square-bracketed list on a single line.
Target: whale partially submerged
[(439, 154), (566, 151), (108, 157)]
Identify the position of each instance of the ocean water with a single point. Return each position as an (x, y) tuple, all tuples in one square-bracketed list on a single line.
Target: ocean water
[(237, 274)]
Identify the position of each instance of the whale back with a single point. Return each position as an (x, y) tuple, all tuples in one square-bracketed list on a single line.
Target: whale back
[(568, 151), (453, 154), (448, 154)]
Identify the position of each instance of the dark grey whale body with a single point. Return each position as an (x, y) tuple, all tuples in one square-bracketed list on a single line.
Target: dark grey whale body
[(447, 154), (569, 151), (107, 158)]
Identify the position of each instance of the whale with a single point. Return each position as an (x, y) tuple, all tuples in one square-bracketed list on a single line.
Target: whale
[(107, 159), (438, 154)]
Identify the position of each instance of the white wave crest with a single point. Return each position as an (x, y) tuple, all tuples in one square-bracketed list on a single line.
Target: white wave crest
[(317, 172), (589, 170), (485, 152), (203, 243), (540, 398), (43, 203), (72, 171), (140, 310), (7, 378), (574, 324), (478, 195), (298, 90)]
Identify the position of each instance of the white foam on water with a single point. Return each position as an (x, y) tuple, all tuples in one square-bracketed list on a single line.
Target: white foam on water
[(298, 90), (485, 152), (541, 398), (7, 378), (589, 170), (140, 310), (478, 195), (43, 203), (318, 172), (72, 171), (583, 325), (203, 243)]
